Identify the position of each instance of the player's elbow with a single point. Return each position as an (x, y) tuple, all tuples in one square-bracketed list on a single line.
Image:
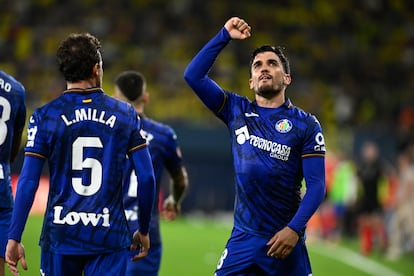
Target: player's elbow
[(188, 77)]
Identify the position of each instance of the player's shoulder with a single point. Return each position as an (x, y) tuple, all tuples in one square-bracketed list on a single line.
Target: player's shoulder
[(233, 96), (10, 84), (161, 128), (300, 113), (303, 119), (121, 108)]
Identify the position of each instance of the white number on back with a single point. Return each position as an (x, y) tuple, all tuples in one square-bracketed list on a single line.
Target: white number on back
[(4, 117), (78, 164)]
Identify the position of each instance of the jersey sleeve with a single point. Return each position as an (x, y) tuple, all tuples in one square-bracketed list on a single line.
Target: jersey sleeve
[(26, 191), (196, 73), (136, 141), (314, 143), (173, 157), (37, 141), (142, 164), (313, 164)]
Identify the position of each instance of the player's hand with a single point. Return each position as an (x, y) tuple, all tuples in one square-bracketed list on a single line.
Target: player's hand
[(143, 242), (238, 28), (170, 208), (282, 243), (14, 253)]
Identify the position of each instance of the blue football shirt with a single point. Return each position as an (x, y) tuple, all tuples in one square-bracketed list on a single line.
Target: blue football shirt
[(12, 117), (268, 145), (85, 135), (163, 147), (273, 150)]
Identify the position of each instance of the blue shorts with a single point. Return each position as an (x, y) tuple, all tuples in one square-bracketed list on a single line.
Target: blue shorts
[(5, 218), (148, 266), (77, 265), (245, 254)]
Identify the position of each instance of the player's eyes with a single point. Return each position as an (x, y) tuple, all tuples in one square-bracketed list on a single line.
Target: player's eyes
[(256, 65)]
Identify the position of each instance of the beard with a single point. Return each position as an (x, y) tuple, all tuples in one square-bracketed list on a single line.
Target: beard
[(268, 91)]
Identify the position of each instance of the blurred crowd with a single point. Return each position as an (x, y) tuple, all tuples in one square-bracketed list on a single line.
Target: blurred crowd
[(371, 199), (352, 65), (352, 62)]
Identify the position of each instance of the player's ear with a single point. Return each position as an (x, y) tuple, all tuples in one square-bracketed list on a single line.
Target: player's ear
[(145, 97), (287, 79), (95, 69), (250, 83)]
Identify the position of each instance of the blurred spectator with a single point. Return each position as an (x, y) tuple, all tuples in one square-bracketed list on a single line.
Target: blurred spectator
[(343, 191), (402, 220), (370, 172), (321, 34)]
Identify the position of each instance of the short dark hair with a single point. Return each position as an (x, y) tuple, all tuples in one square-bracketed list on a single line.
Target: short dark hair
[(278, 50), (77, 55), (131, 84)]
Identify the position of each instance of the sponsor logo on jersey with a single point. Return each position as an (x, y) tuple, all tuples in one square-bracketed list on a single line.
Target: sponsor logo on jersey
[(276, 150), (283, 126), (320, 142), (31, 133), (87, 219)]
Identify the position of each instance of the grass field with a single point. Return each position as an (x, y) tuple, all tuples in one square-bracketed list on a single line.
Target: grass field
[(192, 247)]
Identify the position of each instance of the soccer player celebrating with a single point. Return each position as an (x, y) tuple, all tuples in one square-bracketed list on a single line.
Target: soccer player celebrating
[(12, 120), (86, 136), (275, 145), (130, 86)]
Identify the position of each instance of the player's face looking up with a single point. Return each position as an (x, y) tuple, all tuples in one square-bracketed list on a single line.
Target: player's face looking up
[(268, 77)]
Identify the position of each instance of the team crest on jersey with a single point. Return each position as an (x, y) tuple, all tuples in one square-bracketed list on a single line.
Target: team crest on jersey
[(283, 126)]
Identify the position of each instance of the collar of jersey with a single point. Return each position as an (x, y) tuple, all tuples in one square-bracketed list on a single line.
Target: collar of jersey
[(287, 104), (84, 90)]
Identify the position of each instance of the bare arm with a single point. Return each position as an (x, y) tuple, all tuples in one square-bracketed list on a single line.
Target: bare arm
[(179, 185)]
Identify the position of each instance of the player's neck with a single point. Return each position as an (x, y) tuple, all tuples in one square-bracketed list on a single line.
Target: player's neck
[(272, 102), (139, 108), (83, 84)]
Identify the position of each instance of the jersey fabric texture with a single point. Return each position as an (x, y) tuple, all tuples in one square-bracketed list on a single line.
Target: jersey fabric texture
[(267, 146), (12, 117), (163, 147), (273, 149), (87, 135)]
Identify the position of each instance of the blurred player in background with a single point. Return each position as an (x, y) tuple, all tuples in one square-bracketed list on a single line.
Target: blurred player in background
[(12, 120), (130, 86), (371, 171), (85, 135), (274, 145)]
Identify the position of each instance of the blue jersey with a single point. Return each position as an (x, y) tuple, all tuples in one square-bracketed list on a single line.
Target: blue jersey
[(163, 147), (12, 118), (273, 149), (85, 135), (268, 145)]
